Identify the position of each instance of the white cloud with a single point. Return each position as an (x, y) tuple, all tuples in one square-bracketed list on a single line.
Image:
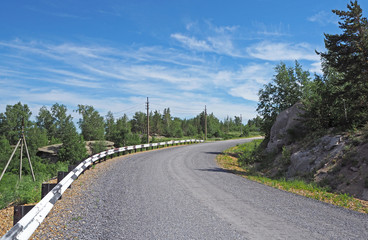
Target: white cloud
[(246, 81), (316, 68), (192, 43), (274, 30), (282, 51), (211, 38), (324, 18), (222, 45), (246, 91), (112, 79)]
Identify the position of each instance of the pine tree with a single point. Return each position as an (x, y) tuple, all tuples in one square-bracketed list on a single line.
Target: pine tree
[(92, 123), (347, 53), (73, 149)]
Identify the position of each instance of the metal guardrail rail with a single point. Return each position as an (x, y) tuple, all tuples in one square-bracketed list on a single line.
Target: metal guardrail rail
[(30, 222)]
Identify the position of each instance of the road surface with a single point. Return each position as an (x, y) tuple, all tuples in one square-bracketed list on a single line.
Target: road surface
[(180, 193)]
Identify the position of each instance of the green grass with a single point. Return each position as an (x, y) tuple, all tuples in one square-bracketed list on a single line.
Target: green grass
[(232, 159), (13, 190)]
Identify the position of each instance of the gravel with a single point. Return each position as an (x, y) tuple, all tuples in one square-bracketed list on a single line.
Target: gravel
[(180, 193)]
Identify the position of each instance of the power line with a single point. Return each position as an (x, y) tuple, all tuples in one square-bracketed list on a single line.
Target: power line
[(128, 109)]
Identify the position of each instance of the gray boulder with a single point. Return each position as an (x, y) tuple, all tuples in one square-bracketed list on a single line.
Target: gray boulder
[(288, 125), (308, 160)]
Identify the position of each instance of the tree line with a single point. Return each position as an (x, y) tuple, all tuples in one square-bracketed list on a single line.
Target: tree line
[(55, 125), (338, 98)]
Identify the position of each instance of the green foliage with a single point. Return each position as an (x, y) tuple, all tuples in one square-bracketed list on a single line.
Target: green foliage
[(98, 146), (287, 88), (54, 122), (139, 123), (35, 138), (347, 55), (73, 149), (46, 121), (175, 129), (133, 139), (119, 131), (91, 123), (156, 124), (5, 152), (254, 124), (245, 152), (166, 119), (12, 120), (25, 190)]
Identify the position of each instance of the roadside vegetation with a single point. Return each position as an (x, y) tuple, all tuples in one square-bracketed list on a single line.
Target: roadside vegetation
[(332, 104), (241, 160), (338, 98), (55, 125)]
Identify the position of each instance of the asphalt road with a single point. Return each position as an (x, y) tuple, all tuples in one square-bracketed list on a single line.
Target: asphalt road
[(180, 193)]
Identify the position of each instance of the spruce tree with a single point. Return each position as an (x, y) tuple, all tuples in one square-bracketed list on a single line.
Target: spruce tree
[(347, 53)]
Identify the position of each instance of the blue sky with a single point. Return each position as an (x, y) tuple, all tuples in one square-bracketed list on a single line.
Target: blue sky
[(181, 54)]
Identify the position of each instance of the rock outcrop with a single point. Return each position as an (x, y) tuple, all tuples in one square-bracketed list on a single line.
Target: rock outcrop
[(309, 160), (49, 152), (287, 126), (339, 161)]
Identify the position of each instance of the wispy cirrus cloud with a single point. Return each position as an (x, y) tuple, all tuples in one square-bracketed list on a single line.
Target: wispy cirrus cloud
[(193, 43), (323, 18), (219, 71), (210, 38), (67, 71), (278, 51), (274, 30), (222, 45)]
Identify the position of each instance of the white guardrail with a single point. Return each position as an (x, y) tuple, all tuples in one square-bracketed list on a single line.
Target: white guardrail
[(29, 223)]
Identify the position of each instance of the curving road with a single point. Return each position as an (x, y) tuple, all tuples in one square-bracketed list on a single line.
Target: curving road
[(180, 193)]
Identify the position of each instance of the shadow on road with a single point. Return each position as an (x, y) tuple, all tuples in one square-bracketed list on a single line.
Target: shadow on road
[(214, 153), (215, 170), (240, 173)]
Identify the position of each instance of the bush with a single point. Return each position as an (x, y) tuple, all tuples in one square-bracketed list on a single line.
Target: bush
[(25, 190)]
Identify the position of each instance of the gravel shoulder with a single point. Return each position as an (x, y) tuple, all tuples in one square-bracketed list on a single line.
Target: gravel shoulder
[(180, 193)]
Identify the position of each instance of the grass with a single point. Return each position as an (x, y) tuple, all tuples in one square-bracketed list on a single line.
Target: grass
[(230, 159), (13, 190)]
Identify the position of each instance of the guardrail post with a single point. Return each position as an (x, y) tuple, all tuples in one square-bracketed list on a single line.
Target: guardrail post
[(46, 188), (61, 175), (71, 167), (20, 211)]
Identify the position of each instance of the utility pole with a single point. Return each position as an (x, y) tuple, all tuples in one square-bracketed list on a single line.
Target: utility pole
[(241, 125), (147, 106), (228, 123), (205, 122)]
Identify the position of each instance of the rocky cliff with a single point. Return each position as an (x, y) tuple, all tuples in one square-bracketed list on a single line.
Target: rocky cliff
[(336, 160)]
